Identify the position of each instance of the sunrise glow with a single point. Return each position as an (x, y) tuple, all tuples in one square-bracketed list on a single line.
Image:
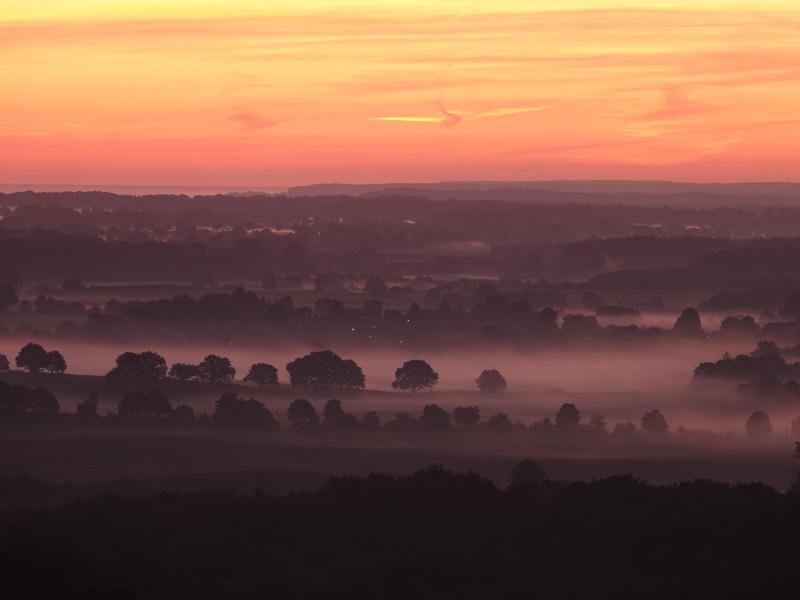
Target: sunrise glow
[(280, 93)]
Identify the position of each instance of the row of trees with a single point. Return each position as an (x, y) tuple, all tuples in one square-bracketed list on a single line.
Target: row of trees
[(35, 359), (320, 371), (19, 402)]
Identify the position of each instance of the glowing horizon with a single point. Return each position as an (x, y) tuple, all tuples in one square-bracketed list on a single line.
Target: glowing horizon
[(246, 93)]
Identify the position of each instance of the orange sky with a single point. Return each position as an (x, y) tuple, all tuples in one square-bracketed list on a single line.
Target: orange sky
[(268, 93)]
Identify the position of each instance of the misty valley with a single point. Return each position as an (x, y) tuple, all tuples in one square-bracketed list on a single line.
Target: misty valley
[(453, 346)]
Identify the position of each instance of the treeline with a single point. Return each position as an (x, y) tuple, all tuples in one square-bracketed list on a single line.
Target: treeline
[(434, 533), (21, 405), (490, 318)]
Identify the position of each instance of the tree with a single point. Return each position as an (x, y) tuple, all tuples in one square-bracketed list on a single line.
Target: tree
[(144, 405), (597, 424), (88, 408), (499, 423), (568, 417), (56, 362), (375, 286), (527, 472), (371, 420), (402, 421), (302, 414), (33, 358), (415, 375), (263, 375), (654, 422), (216, 369), (238, 412), (184, 413), (138, 366), (333, 415), (491, 382), (325, 371), (625, 430), (20, 401), (8, 297), (434, 418), (4, 364), (758, 425), (184, 372), (466, 417), (688, 323)]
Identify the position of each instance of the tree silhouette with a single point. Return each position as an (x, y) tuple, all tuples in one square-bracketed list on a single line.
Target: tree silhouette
[(216, 369), (184, 372), (56, 362), (138, 366), (654, 422), (4, 364), (415, 375), (88, 408), (434, 418), (466, 417), (20, 401), (144, 405), (568, 417), (688, 323), (262, 374), (597, 424), (324, 371), (32, 357), (371, 420), (499, 423), (302, 414), (184, 413), (402, 421), (375, 286), (758, 425), (231, 410), (491, 382), (333, 415)]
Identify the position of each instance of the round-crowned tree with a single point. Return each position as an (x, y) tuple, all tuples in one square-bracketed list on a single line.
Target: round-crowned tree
[(138, 366), (237, 412), (263, 375), (56, 362), (33, 358), (184, 372), (758, 425), (144, 405), (325, 371), (375, 286), (654, 422), (302, 414), (216, 369), (466, 417), (415, 375), (568, 417), (499, 423), (491, 381), (434, 417)]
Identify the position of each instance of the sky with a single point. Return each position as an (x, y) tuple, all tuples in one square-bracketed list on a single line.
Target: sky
[(276, 93)]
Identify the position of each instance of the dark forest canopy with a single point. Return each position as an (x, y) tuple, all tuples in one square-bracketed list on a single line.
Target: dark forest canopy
[(431, 534)]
